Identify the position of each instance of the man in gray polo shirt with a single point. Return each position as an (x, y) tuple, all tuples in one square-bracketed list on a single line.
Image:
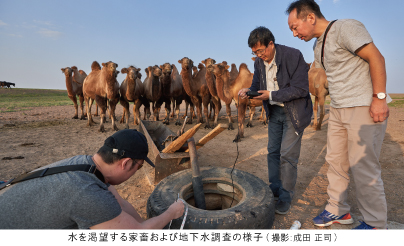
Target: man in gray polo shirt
[(356, 77), (80, 199)]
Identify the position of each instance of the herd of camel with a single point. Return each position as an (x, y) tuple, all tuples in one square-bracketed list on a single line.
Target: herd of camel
[(201, 87)]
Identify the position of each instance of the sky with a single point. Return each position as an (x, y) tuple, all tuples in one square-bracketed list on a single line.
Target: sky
[(38, 38)]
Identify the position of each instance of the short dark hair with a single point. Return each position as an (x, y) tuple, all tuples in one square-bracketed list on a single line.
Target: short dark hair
[(109, 157), (260, 34), (304, 8)]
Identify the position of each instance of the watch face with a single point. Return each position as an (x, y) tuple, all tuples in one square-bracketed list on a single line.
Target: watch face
[(381, 95)]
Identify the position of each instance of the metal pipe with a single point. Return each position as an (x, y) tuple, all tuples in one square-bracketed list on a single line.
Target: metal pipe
[(197, 183)]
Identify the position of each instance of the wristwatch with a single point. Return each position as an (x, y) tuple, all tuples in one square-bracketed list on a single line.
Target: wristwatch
[(380, 95)]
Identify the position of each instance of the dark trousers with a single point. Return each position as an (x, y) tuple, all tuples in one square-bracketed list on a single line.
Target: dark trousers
[(283, 153)]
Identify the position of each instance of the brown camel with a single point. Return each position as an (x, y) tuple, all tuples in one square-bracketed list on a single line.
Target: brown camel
[(318, 86), (130, 92), (101, 85), (196, 88), (152, 89), (228, 90), (173, 91), (233, 75), (74, 86), (211, 82)]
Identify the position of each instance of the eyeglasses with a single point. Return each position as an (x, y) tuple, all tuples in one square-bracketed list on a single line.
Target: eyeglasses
[(258, 52), (139, 162)]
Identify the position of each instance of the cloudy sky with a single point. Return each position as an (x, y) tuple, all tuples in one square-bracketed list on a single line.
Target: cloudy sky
[(38, 38)]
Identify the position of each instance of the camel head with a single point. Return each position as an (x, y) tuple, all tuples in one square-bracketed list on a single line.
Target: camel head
[(208, 64), (111, 68), (131, 72), (186, 63), (166, 68), (220, 69), (155, 71), (67, 71)]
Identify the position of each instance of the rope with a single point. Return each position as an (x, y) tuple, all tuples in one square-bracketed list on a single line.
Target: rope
[(185, 215)]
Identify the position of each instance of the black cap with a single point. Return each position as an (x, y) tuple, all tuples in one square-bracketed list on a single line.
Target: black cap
[(128, 143)]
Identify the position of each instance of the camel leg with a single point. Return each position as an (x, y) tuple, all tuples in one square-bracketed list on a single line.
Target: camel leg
[(76, 107), (112, 106), (102, 104), (173, 101), (241, 109), (198, 105), (167, 105), (126, 112), (315, 109), (96, 109), (206, 102), (218, 107), (81, 99), (250, 117), (122, 120), (228, 112), (178, 102), (263, 116), (89, 103), (191, 112)]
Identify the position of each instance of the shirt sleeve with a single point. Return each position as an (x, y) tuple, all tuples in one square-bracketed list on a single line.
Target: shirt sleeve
[(353, 35), (94, 205)]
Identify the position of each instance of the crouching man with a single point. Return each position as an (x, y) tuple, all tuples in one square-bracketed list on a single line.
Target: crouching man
[(82, 199)]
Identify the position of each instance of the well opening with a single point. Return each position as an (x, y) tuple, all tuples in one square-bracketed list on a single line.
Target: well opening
[(218, 194)]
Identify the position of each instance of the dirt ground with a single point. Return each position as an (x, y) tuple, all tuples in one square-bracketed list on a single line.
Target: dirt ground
[(40, 136)]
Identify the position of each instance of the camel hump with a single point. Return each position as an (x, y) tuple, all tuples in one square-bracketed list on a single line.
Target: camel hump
[(95, 66), (82, 72), (243, 67)]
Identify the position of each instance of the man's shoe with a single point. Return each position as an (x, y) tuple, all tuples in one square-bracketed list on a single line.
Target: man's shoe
[(282, 207), (363, 226), (326, 219)]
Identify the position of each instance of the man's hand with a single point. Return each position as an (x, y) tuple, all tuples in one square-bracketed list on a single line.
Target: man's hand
[(242, 92), (176, 209), (264, 96), (379, 110)]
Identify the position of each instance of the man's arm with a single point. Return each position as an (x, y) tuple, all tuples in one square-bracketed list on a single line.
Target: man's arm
[(130, 219), (125, 205), (379, 110)]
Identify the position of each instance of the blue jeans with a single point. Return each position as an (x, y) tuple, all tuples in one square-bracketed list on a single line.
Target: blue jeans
[(283, 153)]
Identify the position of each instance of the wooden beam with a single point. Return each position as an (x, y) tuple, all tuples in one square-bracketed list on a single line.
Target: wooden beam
[(180, 141), (218, 129)]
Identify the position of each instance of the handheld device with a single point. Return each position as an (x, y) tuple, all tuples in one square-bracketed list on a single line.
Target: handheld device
[(252, 94)]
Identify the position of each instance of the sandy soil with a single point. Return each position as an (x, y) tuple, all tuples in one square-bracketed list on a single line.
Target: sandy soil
[(39, 136)]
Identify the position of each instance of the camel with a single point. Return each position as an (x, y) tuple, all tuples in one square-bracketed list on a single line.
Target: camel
[(211, 83), (101, 85), (228, 90), (173, 91), (318, 87), (152, 89), (213, 90), (131, 91), (196, 88), (74, 86)]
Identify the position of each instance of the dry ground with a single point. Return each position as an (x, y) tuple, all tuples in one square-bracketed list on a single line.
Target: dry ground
[(39, 136)]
